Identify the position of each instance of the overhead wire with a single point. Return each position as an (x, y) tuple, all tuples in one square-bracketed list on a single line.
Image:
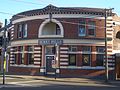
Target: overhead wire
[(26, 2), (24, 16), (68, 22)]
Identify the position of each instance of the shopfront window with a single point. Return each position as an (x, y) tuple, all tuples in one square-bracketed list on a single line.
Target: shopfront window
[(72, 60), (30, 58), (21, 54), (30, 55), (86, 58), (100, 56)]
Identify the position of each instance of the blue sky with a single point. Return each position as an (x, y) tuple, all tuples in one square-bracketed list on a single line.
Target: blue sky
[(15, 6)]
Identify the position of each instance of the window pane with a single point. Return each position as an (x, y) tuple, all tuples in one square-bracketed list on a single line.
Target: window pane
[(24, 30), (73, 48), (82, 28), (91, 28), (15, 59), (91, 25), (86, 60), (99, 59), (21, 48), (19, 31), (86, 48), (50, 50), (58, 31), (30, 48), (21, 58), (91, 32), (72, 59), (30, 58), (100, 49)]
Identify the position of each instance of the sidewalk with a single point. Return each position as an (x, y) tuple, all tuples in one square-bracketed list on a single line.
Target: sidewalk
[(22, 78), (73, 80)]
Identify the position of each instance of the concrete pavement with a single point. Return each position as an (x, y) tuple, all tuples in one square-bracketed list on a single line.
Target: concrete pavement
[(24, 80)]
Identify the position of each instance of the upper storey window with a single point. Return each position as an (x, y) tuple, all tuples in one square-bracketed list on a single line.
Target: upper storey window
[(51, 28), (82, 28), (91, 28), (86, 28), (22, 30)]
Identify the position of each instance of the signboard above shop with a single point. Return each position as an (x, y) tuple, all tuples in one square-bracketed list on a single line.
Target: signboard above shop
[(50, 42)]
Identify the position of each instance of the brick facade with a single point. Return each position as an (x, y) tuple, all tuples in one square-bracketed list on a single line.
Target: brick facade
[(69, 23)]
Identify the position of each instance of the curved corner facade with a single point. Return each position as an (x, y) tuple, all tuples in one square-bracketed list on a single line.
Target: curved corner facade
[(68, 41)]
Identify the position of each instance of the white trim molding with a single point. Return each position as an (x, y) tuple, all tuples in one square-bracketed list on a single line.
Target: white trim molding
[(57, 16), (54, 21)]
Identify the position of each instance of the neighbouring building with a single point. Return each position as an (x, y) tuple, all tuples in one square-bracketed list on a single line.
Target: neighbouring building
[(68, 39), (0, 24), (0, 45)]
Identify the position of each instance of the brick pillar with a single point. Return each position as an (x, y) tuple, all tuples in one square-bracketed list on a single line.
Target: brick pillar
[(79, 60), (25, 55), (42, 69), (18, 55), (58, 59), (43, 56), (93, 57), (79, 57), (57, 56)]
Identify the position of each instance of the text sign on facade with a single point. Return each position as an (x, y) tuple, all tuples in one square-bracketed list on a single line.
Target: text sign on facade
[(50, 42)]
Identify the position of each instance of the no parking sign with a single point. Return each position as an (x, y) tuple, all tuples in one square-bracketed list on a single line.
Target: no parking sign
[(53, 63)]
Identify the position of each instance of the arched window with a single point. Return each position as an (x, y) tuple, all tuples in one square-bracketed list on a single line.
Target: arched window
[(118, 35), (51, 28)]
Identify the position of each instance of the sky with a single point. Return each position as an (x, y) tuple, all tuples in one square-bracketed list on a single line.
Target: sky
[(8, 8)]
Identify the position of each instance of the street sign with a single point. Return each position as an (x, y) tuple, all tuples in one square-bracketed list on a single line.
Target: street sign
[(50, 41), (53, 63)]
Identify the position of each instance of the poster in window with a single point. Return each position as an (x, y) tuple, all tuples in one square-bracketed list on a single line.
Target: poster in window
[(81, 31), (86, 60)]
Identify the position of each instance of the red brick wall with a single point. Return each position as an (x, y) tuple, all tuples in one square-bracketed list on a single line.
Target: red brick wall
[(93, 56), (70, 29), (26, 56), (23, 70), (33, 28), (81, 72)]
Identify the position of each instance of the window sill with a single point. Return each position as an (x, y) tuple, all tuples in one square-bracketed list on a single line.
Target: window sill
[(26, 66), (48, 36), (84, 67)]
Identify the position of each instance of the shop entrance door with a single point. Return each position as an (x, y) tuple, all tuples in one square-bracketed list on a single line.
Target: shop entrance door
[(50, 58), (49, 62)]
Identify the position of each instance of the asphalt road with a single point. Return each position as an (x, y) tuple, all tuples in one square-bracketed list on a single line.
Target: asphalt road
[(32, 83), (61, 87)]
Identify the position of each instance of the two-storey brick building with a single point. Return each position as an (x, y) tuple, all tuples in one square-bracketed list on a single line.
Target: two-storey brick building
[(72, 40)]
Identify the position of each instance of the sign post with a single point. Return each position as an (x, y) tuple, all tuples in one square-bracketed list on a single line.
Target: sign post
[(4, 51)]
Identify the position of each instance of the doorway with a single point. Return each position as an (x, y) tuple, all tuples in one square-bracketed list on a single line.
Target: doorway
[(49, 68), (50, 57)]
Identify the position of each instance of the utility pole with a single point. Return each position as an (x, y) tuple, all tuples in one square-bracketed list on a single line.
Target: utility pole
[(106, 57), (4, 51), (107, 12)]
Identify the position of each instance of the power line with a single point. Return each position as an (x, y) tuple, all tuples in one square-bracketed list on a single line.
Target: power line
[(26, 2), (25, 16), (6, 13)]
